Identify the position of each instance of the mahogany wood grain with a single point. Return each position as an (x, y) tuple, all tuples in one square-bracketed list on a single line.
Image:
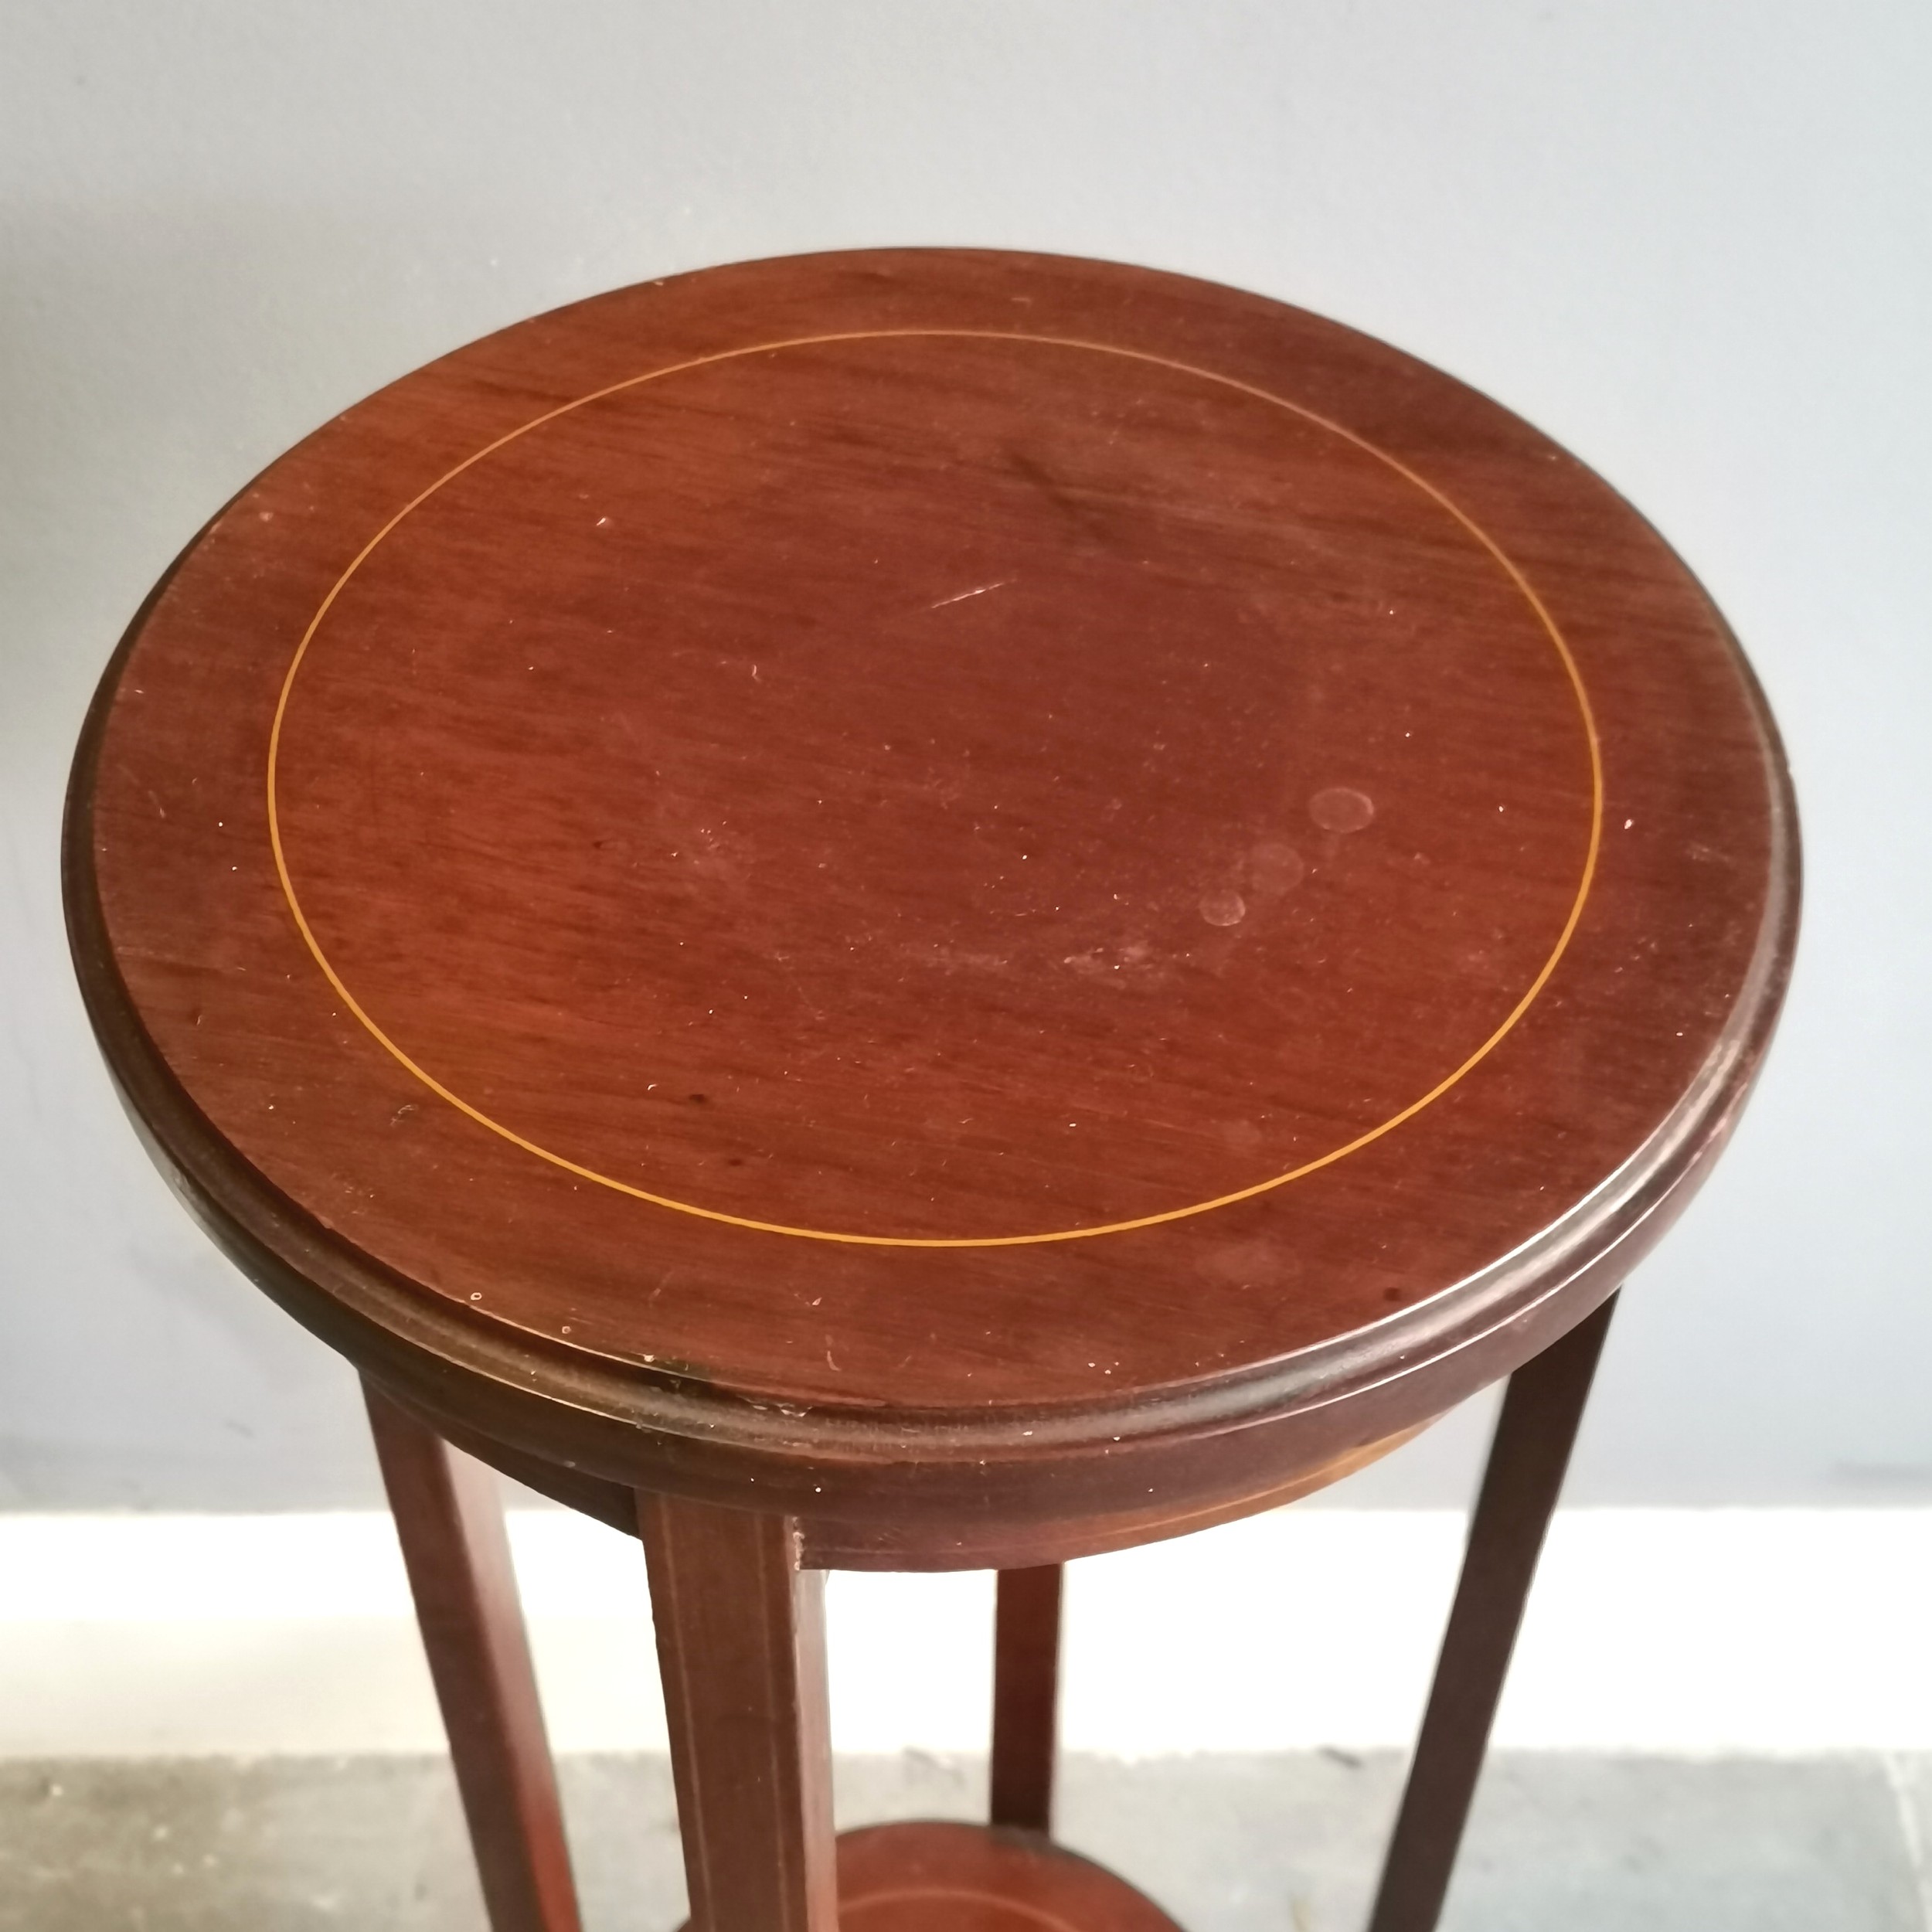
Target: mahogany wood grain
[(450, 1522), (1000, 1545), (1026, 1668), (1001, 901), (964, 1878), (1535, 1433), (741, 1647)]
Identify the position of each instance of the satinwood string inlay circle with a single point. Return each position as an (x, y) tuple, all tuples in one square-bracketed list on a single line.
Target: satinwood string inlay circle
[(1217, 910)]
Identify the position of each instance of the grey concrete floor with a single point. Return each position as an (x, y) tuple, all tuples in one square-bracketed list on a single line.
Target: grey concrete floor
[(1263, 1843)]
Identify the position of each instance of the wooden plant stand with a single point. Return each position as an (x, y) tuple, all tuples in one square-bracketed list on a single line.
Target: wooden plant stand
[(924, 909)]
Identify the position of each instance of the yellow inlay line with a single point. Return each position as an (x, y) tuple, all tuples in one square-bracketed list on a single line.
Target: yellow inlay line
[(1401, 469)]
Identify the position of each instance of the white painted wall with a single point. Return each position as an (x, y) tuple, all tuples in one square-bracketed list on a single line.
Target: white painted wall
[(1672, 1630), (1692, 239)]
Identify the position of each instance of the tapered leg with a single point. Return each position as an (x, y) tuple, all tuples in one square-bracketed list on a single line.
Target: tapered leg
[(1541, 1409), (449, 1520), (1026, 1660), (741, 1645)]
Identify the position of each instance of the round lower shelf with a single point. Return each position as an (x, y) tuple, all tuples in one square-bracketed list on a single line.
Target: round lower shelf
[(928, 1877)]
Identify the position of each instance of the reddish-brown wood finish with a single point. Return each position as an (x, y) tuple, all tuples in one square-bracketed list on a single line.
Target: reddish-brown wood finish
[(1536, 1431), (1002, 1544), (741, 1646), (450, 1522), (963, 1878), (792, 784), (1026, 1667)]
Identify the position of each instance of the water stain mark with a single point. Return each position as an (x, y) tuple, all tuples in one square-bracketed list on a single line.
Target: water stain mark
[(1339, 808)]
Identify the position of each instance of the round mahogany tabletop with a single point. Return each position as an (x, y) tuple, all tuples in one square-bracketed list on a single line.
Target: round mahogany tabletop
[(968, 887)]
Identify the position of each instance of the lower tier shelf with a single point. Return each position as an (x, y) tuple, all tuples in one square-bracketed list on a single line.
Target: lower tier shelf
[(975, 1878)]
